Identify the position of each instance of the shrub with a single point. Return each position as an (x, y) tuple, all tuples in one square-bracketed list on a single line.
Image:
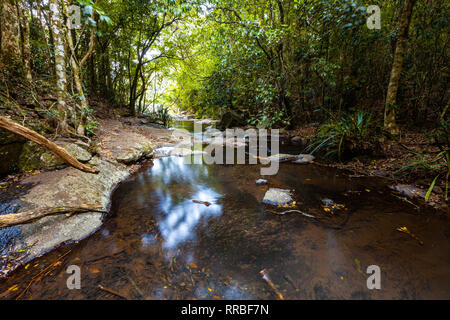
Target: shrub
[(348, 133)]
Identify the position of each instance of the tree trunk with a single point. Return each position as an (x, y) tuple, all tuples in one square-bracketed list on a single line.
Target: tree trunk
[(44, 142), (60, 64), (9, 26), (76, 67), (391, 100), (24, 20), (25, 217), (44, 37)]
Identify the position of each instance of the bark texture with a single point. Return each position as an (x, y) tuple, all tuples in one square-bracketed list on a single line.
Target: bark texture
[(390, 123)]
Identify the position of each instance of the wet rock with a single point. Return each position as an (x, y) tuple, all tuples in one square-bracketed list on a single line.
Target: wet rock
[(282, 157), (138, 152), (298, 141), (330, 206), (62, 188), (176, 152), (305, 159), (380, 173), (275, 197), (262, 181), (409, 191), (78, 152)]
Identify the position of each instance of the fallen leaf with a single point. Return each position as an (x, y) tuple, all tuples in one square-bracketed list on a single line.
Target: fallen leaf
[(94, 270), (14, 288)]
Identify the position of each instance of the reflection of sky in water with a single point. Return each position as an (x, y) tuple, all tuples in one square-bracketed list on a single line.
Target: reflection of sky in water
[(173, 177)]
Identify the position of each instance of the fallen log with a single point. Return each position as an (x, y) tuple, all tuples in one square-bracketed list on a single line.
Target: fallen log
[(45, 143), (25, 217)]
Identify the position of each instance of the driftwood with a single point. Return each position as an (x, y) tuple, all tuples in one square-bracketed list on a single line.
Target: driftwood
[(205, 203), (25, 217), (272, 286), (45, 143), (114, 293)]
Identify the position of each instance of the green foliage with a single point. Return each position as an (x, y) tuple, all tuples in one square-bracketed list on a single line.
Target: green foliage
[(341, 134), (162, 115), (439, 165), (91, 126)]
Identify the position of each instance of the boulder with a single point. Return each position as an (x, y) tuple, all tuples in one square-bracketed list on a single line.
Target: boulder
[(34, 157), (176, 152), (139, 152), (304, 159), (298, 141), (275, 197), (409, 191)]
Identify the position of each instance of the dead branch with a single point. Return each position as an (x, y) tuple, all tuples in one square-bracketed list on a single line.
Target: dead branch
[(205, 203), (25, 217), (43, 273), (114, 293), (44, 142), (272, 286)]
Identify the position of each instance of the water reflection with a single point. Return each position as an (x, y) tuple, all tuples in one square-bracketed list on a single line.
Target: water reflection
[(177, 185)]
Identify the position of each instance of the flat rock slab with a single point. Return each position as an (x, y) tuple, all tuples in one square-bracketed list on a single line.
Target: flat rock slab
[(275, 197), (176, 152), (409, 191), (62, 188), (281, 157)]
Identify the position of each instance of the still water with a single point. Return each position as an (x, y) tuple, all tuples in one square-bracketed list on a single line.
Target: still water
[(159, 244)]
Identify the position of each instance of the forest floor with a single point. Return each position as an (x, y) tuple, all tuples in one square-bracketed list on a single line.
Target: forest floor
[(386, 162)]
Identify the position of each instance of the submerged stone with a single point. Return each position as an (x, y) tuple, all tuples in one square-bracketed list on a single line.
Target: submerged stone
[(262, 181), (304, 159), (275, 197), (409, 191)]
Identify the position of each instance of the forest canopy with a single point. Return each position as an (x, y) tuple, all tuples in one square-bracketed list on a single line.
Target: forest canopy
[(271, 63)]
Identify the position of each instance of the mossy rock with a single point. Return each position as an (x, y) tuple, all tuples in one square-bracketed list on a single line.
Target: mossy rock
[(34, 157), (7, 137)]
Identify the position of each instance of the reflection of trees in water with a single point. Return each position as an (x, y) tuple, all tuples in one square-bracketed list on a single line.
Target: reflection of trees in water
[(176, 185)]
